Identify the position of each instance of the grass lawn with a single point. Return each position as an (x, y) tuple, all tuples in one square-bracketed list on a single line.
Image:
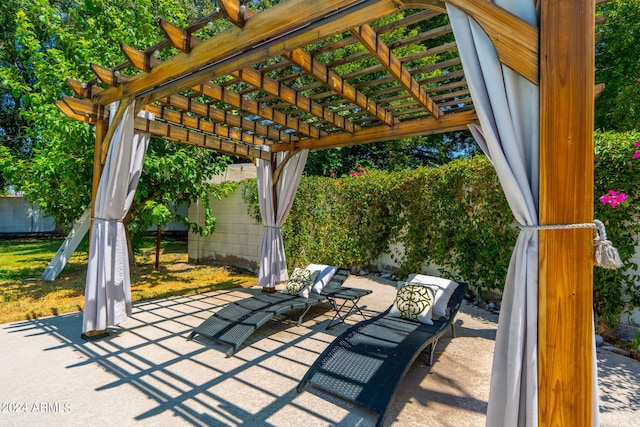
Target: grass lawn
[(23, 295)]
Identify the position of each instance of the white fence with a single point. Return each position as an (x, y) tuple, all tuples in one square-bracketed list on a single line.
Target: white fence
[(17, 216), (238, 236)]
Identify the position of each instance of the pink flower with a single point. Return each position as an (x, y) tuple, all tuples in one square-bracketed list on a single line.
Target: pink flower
[(637, 144), (613, 198), (636, 154), (358, 168)]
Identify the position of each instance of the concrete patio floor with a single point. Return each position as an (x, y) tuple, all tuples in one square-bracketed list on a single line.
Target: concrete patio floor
[(146, 372)]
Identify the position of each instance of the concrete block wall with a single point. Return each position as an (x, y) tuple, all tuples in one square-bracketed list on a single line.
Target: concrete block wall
[(17, 216), (238, 236)]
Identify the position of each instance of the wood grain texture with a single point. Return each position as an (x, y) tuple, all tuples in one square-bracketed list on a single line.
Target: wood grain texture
[(370, 40), (565, 337), (408, 129), (515, 40), (237, 48)]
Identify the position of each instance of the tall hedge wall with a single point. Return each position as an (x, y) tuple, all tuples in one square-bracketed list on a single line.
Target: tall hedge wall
[(455, 216)]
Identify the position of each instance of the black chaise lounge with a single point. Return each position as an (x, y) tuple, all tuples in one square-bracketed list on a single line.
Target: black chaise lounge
[(367, 362), (236, 321)]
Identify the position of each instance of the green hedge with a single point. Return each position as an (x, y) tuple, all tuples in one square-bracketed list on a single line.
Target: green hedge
[(454, 216)]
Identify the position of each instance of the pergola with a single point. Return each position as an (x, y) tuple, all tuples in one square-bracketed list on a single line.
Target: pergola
[(309, 74)]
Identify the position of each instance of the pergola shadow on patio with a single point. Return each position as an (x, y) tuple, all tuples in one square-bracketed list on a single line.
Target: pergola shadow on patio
[(147, 373), (307, 75)]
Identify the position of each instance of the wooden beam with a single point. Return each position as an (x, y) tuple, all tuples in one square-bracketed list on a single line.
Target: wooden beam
[(405, 22), (282, 28), (324, 75), (565, 322), (515, 40), (68, 111), (235, 11), (276, 88), (291, 97), (83, 90), (234, 120), (106, 75), (336, 83), (437, 5), (139, 59), (406, 129), (86, 108), (187, 136), (189, 105), (208, 126), (370, 40), (143, 61), (250, 106), (178, 37)]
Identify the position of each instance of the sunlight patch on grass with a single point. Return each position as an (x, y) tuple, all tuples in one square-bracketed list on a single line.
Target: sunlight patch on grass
[(24, 296)]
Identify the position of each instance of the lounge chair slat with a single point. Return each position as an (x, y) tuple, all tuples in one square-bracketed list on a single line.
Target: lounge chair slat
[(235, 322)]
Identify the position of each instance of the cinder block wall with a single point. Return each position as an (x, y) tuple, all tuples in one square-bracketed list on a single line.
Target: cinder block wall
[(19, 216), (238, 237)]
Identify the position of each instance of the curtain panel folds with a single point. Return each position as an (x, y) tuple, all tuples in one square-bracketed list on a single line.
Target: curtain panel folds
[(275, 205), (107, 288), (508, 112)]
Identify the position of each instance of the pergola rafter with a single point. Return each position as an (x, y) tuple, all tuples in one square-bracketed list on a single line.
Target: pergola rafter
[(370, 40), (273, 108)]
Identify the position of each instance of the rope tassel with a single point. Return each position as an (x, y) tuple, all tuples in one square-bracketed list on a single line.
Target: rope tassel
[(606, 256)]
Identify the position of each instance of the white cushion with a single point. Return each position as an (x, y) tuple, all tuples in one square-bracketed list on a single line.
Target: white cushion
[(325, 273), (300, 282), (414, 302), (445, 288)]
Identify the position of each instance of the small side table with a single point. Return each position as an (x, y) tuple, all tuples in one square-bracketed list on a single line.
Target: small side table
[(349, 305)]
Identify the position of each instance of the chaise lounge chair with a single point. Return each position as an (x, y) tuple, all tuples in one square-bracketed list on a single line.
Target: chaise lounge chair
[(367, 362), (236, 321)]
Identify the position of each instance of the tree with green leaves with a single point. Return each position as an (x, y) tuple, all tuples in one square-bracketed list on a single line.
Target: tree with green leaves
[(618, 66), (48, 157)]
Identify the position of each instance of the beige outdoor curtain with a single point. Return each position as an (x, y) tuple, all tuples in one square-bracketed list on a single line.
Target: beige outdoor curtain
[(273, 264), (508, 110), (107, 299)]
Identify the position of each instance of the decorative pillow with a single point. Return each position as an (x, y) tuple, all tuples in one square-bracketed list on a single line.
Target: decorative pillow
[(299, 282), (444, 290), (414, 302), (324, 275)]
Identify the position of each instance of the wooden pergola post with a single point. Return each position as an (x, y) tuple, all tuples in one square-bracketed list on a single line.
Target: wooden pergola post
[(566, 197), (101, 132)]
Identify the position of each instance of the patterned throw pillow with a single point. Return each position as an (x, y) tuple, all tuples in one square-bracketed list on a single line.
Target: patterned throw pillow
[(444, 289), (414, 302), (299, 283)]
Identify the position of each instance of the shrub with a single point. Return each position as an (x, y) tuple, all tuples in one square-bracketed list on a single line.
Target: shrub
[(456, 217)]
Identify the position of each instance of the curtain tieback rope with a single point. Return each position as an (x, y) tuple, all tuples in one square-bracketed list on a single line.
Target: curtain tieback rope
[(606, 256), (105, 219)]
